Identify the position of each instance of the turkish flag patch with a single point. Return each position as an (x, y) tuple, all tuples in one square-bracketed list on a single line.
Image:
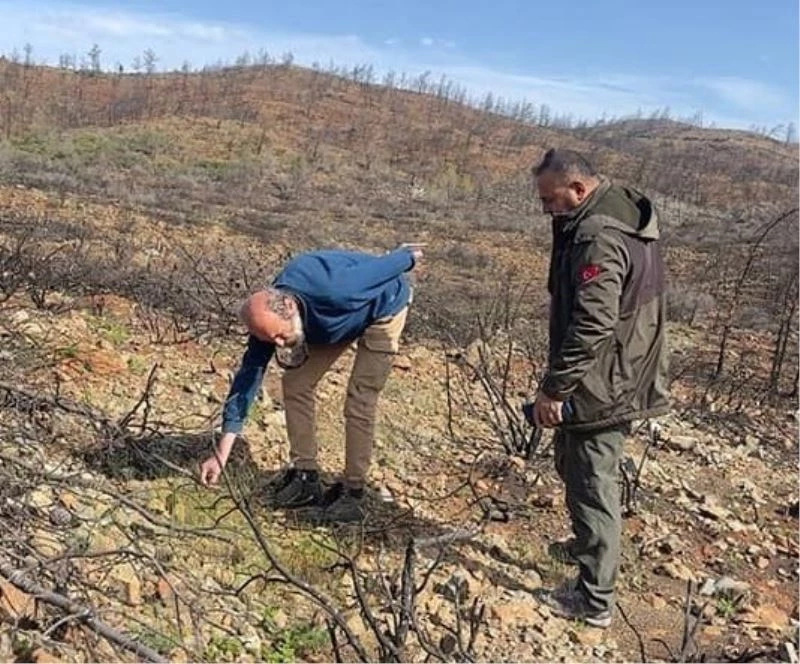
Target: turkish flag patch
[(587, 273)]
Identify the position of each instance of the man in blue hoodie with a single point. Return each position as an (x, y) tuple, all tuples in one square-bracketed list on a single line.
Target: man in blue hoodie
[(318, 306)]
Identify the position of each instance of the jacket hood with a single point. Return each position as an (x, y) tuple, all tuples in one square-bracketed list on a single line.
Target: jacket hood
[(624, 208)]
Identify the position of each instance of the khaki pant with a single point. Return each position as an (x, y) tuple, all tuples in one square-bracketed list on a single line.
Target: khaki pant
[(375, 352), (588, 463)]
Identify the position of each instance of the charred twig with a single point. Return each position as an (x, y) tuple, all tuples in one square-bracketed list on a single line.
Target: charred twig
[(388, 647), (637, 634), (687, 638), (80, 613), (77, 617), (24, 401), (476, 616), (431, 569), (662, 642), (449, 394), (652, 439), (407, 596), (124, 421), (286, 576), (75, 480), (337, 653)]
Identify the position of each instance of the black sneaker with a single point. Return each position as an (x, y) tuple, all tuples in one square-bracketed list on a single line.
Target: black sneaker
[(279, 480), (574, 606), (341, 505), (568, 587), (301, 488)]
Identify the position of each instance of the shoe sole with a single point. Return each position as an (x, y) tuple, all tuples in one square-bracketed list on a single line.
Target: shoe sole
[(322, 517), (320, 520), (327, 520), (602, 623), (295, 506), (311, 501), (593, 621)]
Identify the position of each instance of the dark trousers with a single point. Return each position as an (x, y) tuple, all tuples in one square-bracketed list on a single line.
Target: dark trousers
[(588, 463)]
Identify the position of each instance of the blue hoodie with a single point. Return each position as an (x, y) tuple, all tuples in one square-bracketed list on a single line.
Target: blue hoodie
[(341, 294)]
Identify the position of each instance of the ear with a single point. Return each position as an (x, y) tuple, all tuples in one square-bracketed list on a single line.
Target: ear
[(579, 188)]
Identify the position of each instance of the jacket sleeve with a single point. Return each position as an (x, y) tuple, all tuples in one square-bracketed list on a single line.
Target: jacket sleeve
[(601, 267), (245, 384)]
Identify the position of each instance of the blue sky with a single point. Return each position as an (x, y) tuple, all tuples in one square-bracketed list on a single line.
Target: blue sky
[(735, 61)]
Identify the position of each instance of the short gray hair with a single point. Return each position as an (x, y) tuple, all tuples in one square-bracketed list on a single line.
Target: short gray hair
[(276, 301)]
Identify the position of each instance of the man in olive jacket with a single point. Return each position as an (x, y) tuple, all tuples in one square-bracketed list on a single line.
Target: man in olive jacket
[(607, 360)]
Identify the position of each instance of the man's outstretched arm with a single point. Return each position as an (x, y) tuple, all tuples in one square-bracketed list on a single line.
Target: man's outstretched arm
[(241, 395)]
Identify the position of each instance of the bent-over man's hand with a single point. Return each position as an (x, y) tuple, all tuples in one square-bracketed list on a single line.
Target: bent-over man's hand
[(547, 411), (415, 248), (210, 470)]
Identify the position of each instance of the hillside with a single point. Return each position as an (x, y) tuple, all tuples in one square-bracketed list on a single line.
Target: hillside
[(425, 136), (135, 212)]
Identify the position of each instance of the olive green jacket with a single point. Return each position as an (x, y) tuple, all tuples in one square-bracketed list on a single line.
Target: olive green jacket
[(608, 347)]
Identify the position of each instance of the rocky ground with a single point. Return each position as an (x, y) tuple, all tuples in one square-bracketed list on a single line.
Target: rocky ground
[(102, 433), (123, 252), (107, 403)]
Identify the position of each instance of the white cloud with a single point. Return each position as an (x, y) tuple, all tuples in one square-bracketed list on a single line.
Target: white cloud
[(431, 42), (119, 25), (745, 93), (54, 28), (212, 33)]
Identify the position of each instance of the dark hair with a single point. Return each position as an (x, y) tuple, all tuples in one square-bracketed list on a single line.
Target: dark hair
[(564, 162)]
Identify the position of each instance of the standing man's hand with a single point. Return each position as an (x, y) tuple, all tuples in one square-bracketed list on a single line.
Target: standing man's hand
[(547, 411)]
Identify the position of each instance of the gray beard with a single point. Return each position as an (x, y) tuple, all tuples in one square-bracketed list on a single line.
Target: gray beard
[(294, 355), (300, 335)]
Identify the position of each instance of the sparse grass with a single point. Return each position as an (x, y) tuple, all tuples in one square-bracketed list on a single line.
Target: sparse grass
[(79, 151), (141, 163), (137, 365), (67, 352), (88, 395), (22, 646), (294, 643), (110, 329), (726, 607), (159, 641), (307, 556), (78, 541), (459, 255), (223, 649)]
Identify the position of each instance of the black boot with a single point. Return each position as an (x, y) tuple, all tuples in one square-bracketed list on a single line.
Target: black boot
[(341, 504), (301, 488)]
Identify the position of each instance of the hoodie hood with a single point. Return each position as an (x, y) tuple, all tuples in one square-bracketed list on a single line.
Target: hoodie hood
[(624, 208)]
